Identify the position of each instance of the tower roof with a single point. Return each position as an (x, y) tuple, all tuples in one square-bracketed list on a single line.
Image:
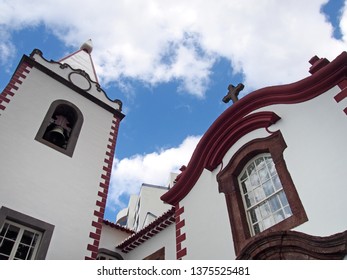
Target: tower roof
[(82, 59)]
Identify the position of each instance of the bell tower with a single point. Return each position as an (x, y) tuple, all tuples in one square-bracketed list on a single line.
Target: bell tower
[(58, 132)]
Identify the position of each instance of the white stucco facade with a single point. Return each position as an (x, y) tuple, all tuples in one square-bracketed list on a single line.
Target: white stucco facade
[(44, 183), (313, 128), (201, 214)]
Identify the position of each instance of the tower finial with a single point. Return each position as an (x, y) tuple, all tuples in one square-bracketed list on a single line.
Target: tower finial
[(87, 46)]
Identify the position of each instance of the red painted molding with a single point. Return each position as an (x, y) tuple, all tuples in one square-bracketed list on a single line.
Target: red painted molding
[(180, 237), (180, 224), (214, 144), (232, 131), (182, 253), (296, 246), (341, 95), (17, 79), (212, 147), (103, 191)]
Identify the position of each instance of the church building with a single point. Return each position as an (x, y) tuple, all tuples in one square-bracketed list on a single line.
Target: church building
[(266, 180), (58, 131)]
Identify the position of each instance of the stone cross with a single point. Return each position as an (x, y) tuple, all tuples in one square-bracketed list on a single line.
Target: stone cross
[(233, 93)]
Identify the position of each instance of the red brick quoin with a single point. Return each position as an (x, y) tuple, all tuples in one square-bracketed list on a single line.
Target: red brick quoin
[(103, 191), (12, 87), (180, 237)]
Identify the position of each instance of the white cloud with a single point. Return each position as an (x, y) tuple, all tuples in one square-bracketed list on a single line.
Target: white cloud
[(156, 41), (7, 49), (129, 173)]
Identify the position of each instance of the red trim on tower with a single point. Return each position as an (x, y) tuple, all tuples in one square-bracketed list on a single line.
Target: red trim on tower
[(103, 190), (17, 79)]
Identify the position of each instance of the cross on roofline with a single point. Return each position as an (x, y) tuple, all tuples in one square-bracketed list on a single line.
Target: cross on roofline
[(233, 93)]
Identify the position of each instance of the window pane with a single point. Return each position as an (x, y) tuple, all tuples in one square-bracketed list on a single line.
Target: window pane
[(27, 237), (12, 232), (265, 210), (251, 168), (277, 183), (279, 216), (263, 174), (260, 162), (256, 228), (254, 179), (274, 203), (271, 166), (268, 222), (248, 185), (253, 216), (258, 214), (30, 254), (244, 188), (248, 202), (3, 257), (259, 194), (287, 211), (244, 176), (283, 198), (6, 247), (268, 188), (4, 229), (22, 252)]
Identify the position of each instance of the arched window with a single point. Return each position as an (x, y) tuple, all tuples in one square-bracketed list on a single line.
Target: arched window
[(259, 191), (61, 127), (262, 193)]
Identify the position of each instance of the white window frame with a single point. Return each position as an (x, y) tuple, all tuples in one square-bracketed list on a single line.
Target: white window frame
[(17, 241), (251, 183)]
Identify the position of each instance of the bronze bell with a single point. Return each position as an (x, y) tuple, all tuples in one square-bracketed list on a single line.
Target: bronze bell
[(56, 136)]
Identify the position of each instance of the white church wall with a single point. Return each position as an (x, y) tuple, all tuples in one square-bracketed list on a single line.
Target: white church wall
[(111, 237), (315, 132), (51, 186), (206, 221)]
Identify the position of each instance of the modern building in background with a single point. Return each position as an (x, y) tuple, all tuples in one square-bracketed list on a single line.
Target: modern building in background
[(266, 180), (144, 208)]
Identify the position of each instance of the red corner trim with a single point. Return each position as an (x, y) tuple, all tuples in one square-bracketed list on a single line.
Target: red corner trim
[(17, 79), (341, 95), (103, 190), (181, 253), (213, 145), (180, 237)]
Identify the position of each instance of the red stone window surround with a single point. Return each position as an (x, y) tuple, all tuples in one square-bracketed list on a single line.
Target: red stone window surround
[(228, 184)]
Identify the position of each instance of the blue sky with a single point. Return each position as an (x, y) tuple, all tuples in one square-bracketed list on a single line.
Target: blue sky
[(170, 62)]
